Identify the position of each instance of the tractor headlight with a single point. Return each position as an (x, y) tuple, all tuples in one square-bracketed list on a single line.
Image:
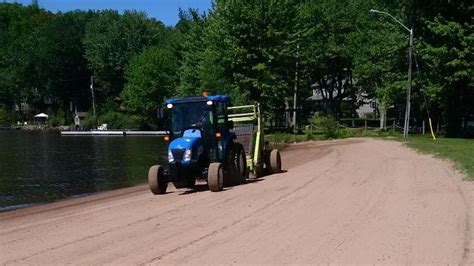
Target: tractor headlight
[(187, 155), (170, 157)]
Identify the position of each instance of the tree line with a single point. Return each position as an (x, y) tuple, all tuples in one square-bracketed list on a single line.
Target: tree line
[(250, 50)]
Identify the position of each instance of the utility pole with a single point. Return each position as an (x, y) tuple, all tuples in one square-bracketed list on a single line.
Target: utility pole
[(407, 110), (296, 87), (93, 96)]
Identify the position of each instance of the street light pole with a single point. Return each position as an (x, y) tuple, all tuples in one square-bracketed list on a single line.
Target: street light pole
[(408, 104), (93, 96), (296, 87), (410, 51)]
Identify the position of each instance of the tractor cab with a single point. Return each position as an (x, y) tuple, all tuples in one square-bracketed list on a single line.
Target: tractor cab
[(202, 119)]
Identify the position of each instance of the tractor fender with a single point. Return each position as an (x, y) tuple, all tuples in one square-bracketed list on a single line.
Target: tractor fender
[(225, 143)]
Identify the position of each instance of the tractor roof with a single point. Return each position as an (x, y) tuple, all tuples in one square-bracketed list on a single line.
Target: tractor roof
[(214, 98)]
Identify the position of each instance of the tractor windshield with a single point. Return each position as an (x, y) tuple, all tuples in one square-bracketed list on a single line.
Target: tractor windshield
[(190, 115)]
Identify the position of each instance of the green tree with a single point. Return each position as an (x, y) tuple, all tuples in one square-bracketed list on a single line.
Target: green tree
[(346, 53), (112, 39), (380, 47), (447, 54), (324, 54), (151, 76), (60, 59), (190, 29), (19, 70), (248, 52)]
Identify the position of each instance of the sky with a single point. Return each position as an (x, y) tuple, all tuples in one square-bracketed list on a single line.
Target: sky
[(163, 10)]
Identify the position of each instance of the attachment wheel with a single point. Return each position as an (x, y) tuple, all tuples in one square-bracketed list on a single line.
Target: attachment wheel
[(275, 161)]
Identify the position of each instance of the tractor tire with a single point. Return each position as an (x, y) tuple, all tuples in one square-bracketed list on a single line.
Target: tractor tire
[(240, 162), (156, 180), (275, 162), (229, 165), (215, 177)]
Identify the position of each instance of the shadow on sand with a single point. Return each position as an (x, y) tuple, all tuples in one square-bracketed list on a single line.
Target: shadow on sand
[(202, 186)]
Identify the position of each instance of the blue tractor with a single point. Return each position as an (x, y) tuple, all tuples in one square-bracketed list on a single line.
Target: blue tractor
[(204, 145)]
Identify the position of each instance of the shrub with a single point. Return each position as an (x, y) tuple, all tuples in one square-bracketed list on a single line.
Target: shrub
[(116, 120), (308, 133), (90, 121), (347, 133), (55, 120), (327, 124), (4, 117)]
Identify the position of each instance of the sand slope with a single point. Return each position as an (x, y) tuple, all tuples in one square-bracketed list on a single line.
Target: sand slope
[(346, 201)]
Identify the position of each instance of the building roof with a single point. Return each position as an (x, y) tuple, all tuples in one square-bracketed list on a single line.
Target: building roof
[(41, 115), (215, 98), (81, 114)]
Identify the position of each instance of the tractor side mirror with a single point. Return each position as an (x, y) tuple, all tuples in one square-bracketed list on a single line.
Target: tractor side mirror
[(230, 124), (159, 113)]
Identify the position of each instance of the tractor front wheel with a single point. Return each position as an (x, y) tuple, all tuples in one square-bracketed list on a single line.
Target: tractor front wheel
[(215, 177), (157, 180), (275, 162)]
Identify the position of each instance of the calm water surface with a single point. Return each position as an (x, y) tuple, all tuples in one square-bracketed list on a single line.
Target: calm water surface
[(38, 167)]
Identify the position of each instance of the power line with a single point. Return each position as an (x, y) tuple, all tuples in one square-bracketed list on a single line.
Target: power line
[(421, 79), (424, 96)]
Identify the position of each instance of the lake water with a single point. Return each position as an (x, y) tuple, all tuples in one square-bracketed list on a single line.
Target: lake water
[(39, 167)]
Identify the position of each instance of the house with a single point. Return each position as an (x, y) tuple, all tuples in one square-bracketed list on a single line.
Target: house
[(322, 99)]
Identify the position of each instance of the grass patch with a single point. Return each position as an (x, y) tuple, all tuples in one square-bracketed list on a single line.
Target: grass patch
[(285, 137), (460, 151), (360, 132), (315, 134)]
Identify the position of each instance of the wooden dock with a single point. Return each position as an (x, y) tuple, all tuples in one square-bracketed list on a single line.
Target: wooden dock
[(113, 133)]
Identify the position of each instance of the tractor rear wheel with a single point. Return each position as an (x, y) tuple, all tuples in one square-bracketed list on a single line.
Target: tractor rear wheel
[(240, 161), (156, 180), (215, 177), (229, 165), (275, 161)]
